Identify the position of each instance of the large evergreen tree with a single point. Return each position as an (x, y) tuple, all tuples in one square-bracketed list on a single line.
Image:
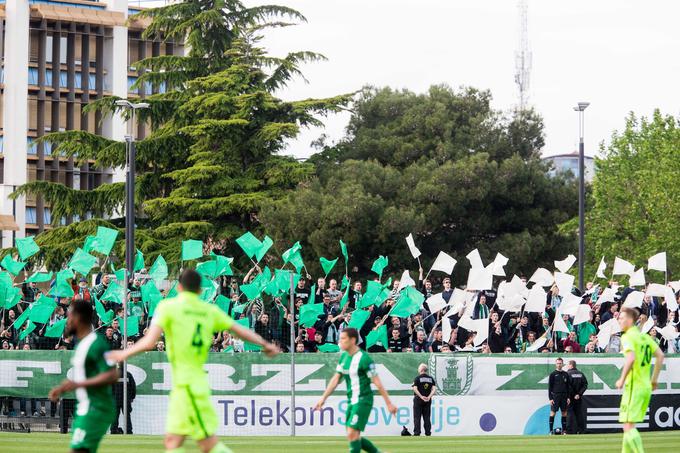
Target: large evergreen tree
[(212, 160)]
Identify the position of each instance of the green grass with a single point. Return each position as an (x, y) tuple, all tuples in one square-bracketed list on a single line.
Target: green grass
[(654, 442)]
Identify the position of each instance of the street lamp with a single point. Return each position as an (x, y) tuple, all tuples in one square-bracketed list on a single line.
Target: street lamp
[(130, 157), (580, 108)]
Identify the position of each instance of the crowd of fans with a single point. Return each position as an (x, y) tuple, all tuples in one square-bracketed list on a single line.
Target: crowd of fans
[(509, 332)]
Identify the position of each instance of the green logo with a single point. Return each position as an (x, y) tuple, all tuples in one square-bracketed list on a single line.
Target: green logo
[(453, 375)]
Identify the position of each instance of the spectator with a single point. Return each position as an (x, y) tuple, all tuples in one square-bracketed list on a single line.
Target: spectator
[(579, 384), (423, 390), (570, 342), (118, 395), (420, 344), (559, 388), (263, 328)]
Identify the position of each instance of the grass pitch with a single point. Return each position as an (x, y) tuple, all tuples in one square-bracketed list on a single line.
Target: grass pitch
[(654, 442)]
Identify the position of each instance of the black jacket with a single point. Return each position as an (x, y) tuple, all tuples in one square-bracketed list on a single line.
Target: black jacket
[(118, 389), (559, 383), (579, 382)]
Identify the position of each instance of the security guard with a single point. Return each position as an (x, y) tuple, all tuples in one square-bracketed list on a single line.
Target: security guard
[(559, 388), (579, 384), (423, 390)]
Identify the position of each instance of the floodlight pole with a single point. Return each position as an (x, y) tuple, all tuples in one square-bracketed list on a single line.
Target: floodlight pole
[(580, 108)]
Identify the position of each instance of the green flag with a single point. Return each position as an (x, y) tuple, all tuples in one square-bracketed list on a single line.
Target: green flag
[(378, 335), (379, 265), (410, 301), (82, 262), (159, 270), (90, 243), (13, 267), (327, 265), (42, 309), (309, 313), (345, 282), (27, 247), (246, 345), (40, 277), (65, 274), (21, 319), (114, 293), (139, 261), (296, 260), (120, 274), (151, 296), (329, 347), (223, 303), (372, 295), (359, 318), (12, 297), (343, 249), (105, 239), (172, 292), (56, 330), (345, 298), (29, 328), (249, 244), (132, 325), (251, 290), (238, 309), (61, 288), (262, 251), (294, 250), (192, 249)]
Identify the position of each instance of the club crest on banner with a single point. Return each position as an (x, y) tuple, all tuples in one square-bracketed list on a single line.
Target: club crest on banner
[(453, 375)]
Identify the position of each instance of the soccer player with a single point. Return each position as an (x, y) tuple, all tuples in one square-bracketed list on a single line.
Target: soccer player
[(638, 349), (358, 370), (92, 381), (189, 324)]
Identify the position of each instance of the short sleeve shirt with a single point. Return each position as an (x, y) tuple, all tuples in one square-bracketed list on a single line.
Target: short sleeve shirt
[(357, 370)]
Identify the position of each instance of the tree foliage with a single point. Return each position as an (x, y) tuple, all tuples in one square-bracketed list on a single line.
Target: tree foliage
[(636, 194), (212, 159), (443, 166)]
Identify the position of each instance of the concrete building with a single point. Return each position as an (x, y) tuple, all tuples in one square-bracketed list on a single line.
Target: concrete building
[(58, 56), (563, 163)]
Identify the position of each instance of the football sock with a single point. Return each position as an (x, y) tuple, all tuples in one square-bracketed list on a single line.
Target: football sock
[(550, 425), (175, 450), (632, 442), (220, 448), (355, 446), (564, 424), (368, 446)]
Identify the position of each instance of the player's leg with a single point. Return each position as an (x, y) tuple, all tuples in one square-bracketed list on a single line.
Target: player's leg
[(632, 442), (426, 418), (213, 445), (357, 417), (173, 443), (564, 417), (633, 410), (551, 420), (88, 431), (417, 413)]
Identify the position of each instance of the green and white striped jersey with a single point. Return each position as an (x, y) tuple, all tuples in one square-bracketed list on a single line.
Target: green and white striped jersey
[(357, 371), (88, 361)]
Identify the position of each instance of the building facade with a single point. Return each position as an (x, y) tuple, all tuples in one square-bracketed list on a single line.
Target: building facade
[(563, 163), (57, 57)]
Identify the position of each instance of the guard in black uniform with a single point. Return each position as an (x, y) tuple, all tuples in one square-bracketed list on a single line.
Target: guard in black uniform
[(559, 389), (423, 390), (579, 384)]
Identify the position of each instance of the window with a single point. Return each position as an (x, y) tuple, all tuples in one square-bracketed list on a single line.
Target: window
[(62, 49), (32, 146), (32, 76), (131, 81), (31, 215), (48, 215)]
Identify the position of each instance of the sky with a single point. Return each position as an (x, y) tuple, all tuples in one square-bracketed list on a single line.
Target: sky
[(619, 55)]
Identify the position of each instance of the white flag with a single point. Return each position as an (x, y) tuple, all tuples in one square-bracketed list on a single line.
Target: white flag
[(458, 299), (480, 279), (538, 344), (511, 304), (607, 329), (582, 314), (405, 281), (657, 262), (498, 263), (637, 278), (622, 267), (412, 246), (564, 265), (444, 263), (446, 330), (436, 302), (467, 323), (648, 325), (601, 268), (656, 290), (537, 300), (542, 277), (671, 300), (607, 296), (675, 285), (569, 305), (634, 299), (475, 259), (564, 282), (560, 325), (482, 329), (669, 332)]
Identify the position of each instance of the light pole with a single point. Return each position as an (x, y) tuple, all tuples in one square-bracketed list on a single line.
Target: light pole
[(130, 157), (580, 108)]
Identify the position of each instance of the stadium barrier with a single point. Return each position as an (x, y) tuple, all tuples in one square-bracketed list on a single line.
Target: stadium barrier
[(491, 394)]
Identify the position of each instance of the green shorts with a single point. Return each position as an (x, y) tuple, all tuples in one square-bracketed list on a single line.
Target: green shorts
[(357, 415), (634, 404), (89, 429), (191, 412)]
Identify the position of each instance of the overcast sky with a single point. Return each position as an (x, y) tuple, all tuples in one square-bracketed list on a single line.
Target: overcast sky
[(619, 55)]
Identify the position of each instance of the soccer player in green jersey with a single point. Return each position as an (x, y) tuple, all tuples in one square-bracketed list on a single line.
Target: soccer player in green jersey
[(92, 380), (638, 349), (358, 371), (189, 324)]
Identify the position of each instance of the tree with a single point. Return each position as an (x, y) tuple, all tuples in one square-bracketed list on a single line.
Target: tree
[(443, 166), (211, 161), (636, 194)]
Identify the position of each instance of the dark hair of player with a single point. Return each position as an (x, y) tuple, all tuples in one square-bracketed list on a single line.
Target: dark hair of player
[(351, 332), (190, 281), (83, 310)]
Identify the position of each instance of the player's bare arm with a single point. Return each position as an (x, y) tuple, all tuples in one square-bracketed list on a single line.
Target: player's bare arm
[(658, 364), (100, 380), (628, 364), (269, 349), (146, 343), (381, 389), (332, 385)]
